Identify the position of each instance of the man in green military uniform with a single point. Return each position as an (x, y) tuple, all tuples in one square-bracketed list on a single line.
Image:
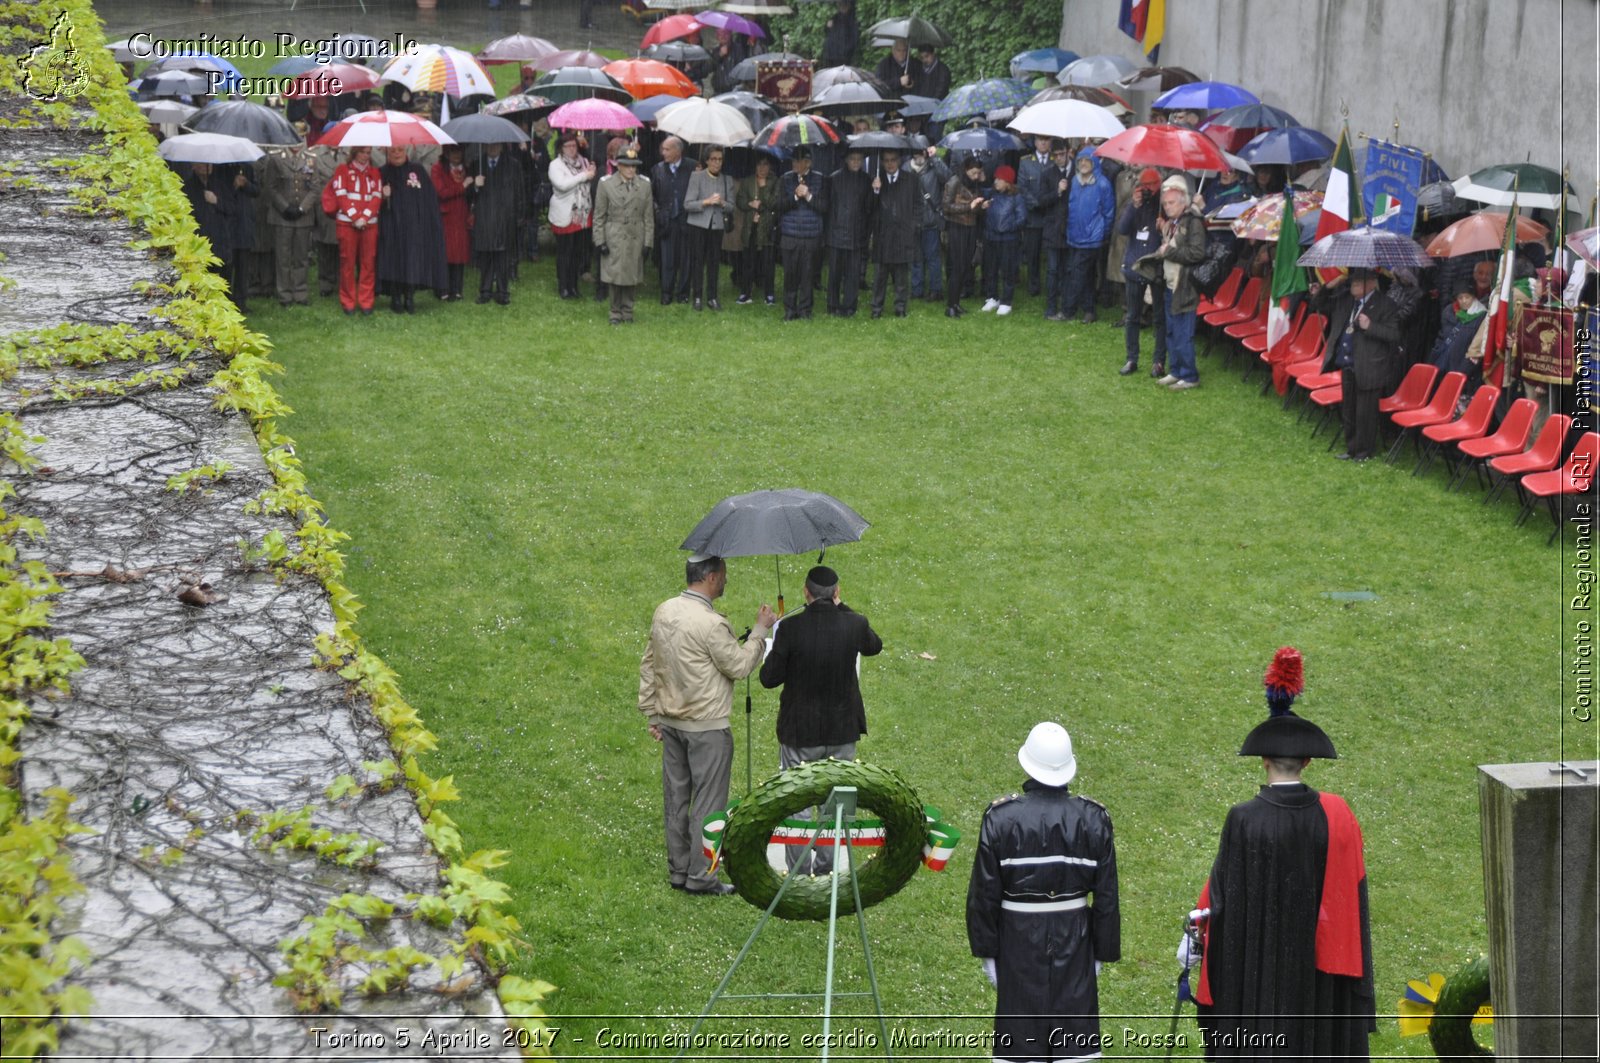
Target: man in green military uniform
[(624, 229), (293, 196)]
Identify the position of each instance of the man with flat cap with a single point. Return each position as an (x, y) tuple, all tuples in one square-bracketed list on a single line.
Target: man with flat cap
[(1042, 855), (686, 694), (1286, 967), (820, 712)]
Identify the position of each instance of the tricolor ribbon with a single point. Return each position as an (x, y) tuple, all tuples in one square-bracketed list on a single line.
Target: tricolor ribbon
[(942, 838)]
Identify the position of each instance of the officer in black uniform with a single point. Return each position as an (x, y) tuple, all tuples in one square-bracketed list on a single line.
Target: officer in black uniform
[(1042, 855)]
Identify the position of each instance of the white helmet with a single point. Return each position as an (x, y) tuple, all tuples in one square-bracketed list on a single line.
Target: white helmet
[(1047, 755)]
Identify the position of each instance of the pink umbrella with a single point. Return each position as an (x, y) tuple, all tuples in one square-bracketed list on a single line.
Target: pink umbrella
[(571, 57), (672, 28), (593, 114), (517, 48), (1174, 147), (383, 129)]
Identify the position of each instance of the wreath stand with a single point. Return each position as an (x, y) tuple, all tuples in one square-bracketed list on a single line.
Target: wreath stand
[(841, 806)]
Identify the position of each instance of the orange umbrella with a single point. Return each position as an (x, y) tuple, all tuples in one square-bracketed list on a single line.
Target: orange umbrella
[(1483, 231), (651, 77), (672, 28)]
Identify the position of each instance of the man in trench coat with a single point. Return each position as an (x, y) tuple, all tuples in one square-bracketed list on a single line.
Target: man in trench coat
[(895, 238), (624, 229)]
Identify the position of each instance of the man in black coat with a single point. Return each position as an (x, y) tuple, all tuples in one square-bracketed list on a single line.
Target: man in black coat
[(495, 190), (813, 657), (841, 37), (894, 231), (669, 180), (802, 222), (1041, 855), (849, 208), (1363, 332)]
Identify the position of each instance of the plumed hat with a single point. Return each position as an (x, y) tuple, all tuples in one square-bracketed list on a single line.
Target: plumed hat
[(1282, 733)]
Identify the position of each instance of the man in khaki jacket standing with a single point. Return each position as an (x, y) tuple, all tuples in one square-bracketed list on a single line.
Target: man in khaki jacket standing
[(686, 694)]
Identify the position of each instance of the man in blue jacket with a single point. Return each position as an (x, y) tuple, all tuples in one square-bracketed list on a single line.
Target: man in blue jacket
[(1091, 208), (802, 214)]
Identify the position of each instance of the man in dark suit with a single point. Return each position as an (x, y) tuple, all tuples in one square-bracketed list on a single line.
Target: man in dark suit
[(894, 232), (1363, 332), (813, 657), (669, 180)]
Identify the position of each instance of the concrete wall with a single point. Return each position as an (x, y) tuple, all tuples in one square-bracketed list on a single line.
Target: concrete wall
[(1474, 82)]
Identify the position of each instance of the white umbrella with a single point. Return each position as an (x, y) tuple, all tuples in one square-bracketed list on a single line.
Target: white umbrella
[(1066, 118), (208, 147), (383, 129), (439, 68), (123, 54), (757, 7), (702, 121), (167, 112), (1096, 70)]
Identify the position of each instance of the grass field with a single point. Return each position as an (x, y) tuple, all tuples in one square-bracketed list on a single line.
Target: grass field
[(1049, 541)]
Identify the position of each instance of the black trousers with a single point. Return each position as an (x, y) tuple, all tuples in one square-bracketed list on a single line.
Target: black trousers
[(458, 274), (676, 238), (799, 273), (1359, 412), (758, 269), (705, 260), (569, 259), (1032, 241), (844, 279), (900, 272), (961, 243)]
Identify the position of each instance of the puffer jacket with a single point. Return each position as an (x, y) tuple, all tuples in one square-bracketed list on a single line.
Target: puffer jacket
[(1091, 207)]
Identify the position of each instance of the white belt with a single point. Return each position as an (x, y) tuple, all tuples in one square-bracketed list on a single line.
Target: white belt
[(1067, 905)]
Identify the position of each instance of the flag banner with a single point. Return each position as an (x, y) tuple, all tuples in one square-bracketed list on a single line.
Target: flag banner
[(1393, 176), (1546, 344), (1145, 21), (786, 83), (1288, 279), (1498, 341), (1341, 202)]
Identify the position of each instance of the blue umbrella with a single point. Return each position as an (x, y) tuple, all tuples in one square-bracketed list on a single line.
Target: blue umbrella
[(1288, 146), (645, 110), (981, 138), (1204, 96), (981, 97), (1041, 61), (1254, 116)]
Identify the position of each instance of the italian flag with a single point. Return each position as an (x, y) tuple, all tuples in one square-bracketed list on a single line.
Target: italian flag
[(1500, 301), (1341, 203), (1287, 279)]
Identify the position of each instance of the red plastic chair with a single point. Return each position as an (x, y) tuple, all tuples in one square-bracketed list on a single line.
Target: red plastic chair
[(1575, 477), (1328, 399), (1472, 424), (1227, 295), (1248, 305), (1258, 343), (1439, 410), (1412, 394), (1510, 438), (1544, 455)]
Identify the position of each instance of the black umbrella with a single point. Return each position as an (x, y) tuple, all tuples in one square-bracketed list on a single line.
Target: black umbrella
[(757, 112), (746, 70), (677, 52), (851, 97), (484, 129), (880, 140), (918, 106), (1438, 200), (241, 118), (916, 31), (581, 83), (788, 521)]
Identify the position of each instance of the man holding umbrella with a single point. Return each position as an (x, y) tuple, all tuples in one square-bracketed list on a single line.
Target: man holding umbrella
[(894, 228), (1363, 330), (686, 694), (802, 213)]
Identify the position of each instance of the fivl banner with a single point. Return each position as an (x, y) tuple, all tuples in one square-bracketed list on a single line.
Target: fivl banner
[(787, 83), (1546, 344), (1389, 186)]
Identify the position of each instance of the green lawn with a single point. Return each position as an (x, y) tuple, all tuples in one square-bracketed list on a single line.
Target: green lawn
[(1049, 541)]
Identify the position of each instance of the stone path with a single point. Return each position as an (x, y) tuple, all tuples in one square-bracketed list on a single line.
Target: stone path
[(187, 717)]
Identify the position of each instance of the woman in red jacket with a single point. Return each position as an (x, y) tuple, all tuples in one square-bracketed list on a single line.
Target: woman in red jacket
[(450, 181)]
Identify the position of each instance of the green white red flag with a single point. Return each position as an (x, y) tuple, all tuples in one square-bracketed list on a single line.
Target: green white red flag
[(1287, 279), (1341, 202), (1494, 346)]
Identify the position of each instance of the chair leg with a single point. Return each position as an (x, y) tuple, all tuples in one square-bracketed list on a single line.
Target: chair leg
[(1394, 451), (1424, 459), (1267, 383), (1555, 518), (1497, 484), (1336, 436)]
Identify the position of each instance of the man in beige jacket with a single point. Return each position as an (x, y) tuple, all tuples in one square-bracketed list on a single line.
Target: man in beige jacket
[(686, 694)]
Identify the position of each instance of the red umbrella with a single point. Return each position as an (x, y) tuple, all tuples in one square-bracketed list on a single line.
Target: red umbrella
[(650, 77), (1164, 145), (571, 57), (1483, 231), (383, 129), (319, 82), (672, 28)]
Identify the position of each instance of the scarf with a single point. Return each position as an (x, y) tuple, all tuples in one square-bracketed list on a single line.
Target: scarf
[(581, 203)]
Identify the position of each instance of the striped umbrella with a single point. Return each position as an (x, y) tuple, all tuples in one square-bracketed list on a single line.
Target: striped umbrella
[(651, 77), (593, 114), (795, 130), (581, 83), (1366, 248), (383, 129), (439, 68)]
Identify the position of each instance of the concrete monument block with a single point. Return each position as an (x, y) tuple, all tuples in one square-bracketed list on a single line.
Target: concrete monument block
[(1541, 877)]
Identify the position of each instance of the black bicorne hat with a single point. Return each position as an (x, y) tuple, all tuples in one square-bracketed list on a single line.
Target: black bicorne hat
[(1282, 733)]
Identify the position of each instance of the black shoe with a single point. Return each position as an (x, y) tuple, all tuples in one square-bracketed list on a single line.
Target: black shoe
[(952, 311), (744, 300), (666, 299), (683, 298), (1129, 368), (1089, 317), (396, 306), (721, 889), (411, 303), (367, 312), (483, 297), (789, 315), (503, 298), (713, 304), (1158, 370), (877, 313), (699, 305), (899, 313), (771, 299), (1121, 322)]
